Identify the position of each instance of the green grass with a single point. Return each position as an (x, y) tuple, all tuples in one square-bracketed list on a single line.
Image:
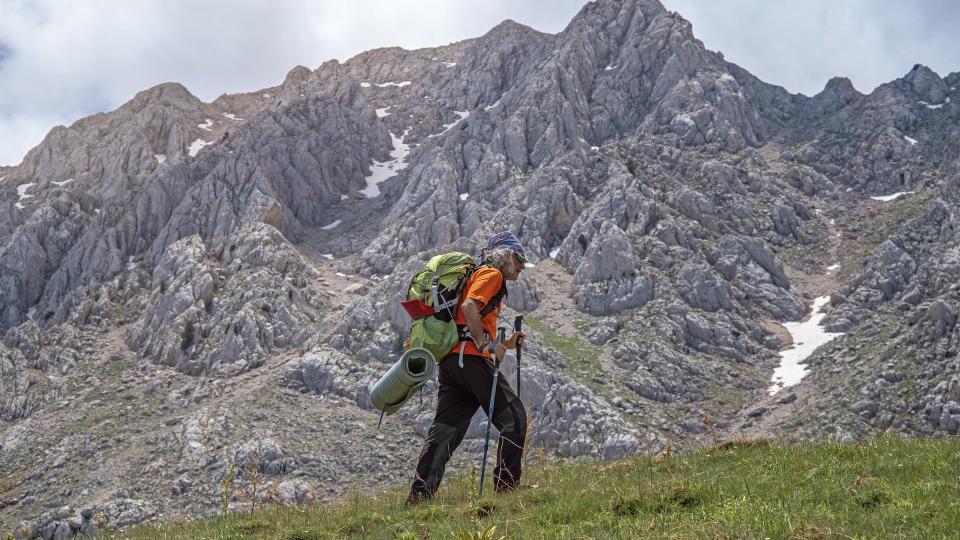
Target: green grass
[(806, 256), (878, 228), (583, 358), (884, 488)]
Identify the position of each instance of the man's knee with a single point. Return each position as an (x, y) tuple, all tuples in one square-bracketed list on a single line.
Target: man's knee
[(441, 434), (511, 419), (521, 415)]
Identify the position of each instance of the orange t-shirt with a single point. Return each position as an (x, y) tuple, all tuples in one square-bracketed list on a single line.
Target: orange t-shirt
[(482, 286)]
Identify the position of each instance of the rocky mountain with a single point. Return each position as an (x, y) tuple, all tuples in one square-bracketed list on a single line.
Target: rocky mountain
[(199, 291)]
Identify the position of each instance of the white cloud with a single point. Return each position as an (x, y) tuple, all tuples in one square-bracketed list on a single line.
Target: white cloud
[(60, 61), (801, 45)]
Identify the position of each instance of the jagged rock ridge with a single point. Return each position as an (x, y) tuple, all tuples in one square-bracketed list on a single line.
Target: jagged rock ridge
[(223, 276)]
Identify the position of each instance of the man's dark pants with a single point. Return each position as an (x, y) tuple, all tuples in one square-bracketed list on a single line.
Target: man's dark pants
[(463, 390)]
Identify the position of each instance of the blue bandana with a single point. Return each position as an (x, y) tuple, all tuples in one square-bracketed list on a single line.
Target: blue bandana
[(505, 239)]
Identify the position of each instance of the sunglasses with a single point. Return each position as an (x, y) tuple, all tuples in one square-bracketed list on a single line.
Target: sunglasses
[(521, 258)]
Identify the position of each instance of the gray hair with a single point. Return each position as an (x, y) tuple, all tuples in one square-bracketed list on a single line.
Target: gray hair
[(497, 258)]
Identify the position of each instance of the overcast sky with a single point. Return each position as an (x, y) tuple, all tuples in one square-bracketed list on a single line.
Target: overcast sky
[(61, 60)]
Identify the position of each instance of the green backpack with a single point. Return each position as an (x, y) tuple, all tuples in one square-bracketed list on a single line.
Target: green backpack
[(432, 300)]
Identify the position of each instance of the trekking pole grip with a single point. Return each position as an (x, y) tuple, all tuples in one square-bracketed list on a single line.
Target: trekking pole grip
[(501, 337)]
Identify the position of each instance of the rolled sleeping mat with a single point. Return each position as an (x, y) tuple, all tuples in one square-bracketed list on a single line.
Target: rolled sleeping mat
[(402, 380)]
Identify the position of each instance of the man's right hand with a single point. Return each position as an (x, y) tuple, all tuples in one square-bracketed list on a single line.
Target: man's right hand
[(514, 340)]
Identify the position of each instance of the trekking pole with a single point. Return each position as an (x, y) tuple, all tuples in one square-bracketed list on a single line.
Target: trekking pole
[(516, 326), (501, 335)]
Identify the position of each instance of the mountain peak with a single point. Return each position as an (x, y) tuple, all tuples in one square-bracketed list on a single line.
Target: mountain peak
[(926, 84), (838, 85), (171, 91), (838, 92), (168, 94), (510, 27), (296, 74)]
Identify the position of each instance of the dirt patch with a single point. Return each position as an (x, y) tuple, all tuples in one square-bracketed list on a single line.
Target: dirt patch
[(556, 308)]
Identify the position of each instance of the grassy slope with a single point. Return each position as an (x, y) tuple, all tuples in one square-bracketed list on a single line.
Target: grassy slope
[(882, 488)]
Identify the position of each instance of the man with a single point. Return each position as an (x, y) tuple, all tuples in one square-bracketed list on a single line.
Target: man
[(466, 376)]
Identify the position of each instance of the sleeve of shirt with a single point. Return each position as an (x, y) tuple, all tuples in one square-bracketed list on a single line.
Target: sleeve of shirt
[(486, 284)]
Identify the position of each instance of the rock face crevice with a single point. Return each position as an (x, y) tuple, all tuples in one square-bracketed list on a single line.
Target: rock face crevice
[(189, 285)]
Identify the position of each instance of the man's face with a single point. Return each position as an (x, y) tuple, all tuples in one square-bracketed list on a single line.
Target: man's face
[(511, 270)]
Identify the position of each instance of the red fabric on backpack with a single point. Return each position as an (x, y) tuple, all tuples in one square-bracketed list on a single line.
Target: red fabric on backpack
[(417, 309)]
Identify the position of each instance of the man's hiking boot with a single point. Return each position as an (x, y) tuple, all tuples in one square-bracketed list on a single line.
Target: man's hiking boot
[(414, 500)]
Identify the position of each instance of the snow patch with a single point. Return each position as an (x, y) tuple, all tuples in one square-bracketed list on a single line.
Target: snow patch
[(382, 113), (488, 107), (909, 140), (62, 182), (553, 253), (383, 170), (888, 198), (206, 125), (833, 267), (19, 205), (726, 77), (341, 274), (266, 95), (929, 106), (197, 146), (333, 225), (450, 64), (807, 336), (31, 312), (22, 190), (344, 197), (464, 196), (328, 256), (160, 157), (231, 116), (130, 264), (397, 84), (684, 118), (610, 67), (364, 85), (463, 115)]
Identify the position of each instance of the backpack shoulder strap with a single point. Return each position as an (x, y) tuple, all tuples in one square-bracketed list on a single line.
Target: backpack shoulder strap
[(497, 298), (495, 301)]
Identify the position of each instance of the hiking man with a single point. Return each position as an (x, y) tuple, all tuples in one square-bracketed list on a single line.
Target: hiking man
[(466, 376)]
